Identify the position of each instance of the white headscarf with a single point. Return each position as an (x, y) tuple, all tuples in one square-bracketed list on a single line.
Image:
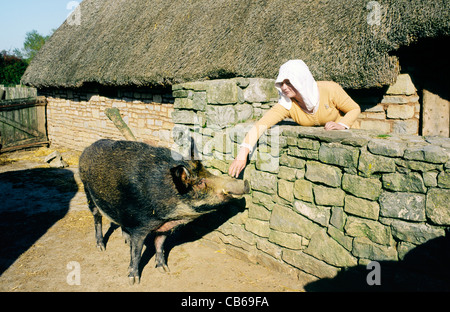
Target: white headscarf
[(301, 78)]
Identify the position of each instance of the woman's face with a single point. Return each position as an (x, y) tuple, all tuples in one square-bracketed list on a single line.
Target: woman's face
[(288, 89)]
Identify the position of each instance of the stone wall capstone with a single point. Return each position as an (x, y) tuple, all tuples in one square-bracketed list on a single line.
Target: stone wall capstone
[(321, 201)]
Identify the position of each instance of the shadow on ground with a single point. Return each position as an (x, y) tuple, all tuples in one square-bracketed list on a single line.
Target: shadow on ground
[(188, 233), (424, 268), (31, 201)]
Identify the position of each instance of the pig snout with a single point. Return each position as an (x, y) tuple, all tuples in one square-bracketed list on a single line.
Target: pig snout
[(236, 187)]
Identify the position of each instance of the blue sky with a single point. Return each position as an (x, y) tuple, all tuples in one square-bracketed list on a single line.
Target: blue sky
[(17, 17)]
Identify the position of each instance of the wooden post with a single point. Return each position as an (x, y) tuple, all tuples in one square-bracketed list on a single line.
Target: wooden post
[(114, 115)]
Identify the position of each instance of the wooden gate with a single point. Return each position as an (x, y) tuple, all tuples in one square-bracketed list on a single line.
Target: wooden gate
[(22, 123)]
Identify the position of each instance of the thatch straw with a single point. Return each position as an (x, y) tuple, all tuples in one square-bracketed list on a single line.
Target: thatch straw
[(160, 42)]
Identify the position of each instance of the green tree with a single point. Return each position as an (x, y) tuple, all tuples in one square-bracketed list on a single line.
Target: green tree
[(32, 44)]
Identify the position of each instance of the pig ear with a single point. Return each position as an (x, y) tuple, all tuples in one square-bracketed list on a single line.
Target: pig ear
[(180, 177)]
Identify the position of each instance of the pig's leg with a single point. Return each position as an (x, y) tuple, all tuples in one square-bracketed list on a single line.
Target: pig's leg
[(161, 235), (97, 222), (126, 236), (161, 263), (136, 245)]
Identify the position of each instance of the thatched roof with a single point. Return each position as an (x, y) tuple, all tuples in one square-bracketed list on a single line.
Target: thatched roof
[(160, 42)]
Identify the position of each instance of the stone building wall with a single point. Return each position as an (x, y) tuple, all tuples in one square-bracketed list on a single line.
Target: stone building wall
[(321, 201), (76, 118), (398, 111)]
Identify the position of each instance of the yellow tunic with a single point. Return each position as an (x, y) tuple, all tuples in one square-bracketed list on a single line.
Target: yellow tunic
[(334, 105)]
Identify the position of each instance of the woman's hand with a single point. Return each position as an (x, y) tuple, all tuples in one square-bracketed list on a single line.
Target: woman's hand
[(239, 162), (331, 125)]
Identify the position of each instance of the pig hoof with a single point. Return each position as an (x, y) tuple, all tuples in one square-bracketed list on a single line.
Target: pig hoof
[(101, 247), (163, 268), (133, 280)]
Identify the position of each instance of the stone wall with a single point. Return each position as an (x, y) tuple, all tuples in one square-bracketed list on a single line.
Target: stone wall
[(76, 117), (398, 111), (321, 201)]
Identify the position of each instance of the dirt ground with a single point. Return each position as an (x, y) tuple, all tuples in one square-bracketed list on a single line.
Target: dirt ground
[(47, 242)]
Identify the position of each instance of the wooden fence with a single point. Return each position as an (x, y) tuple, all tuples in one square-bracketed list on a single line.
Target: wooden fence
[(22, 123)]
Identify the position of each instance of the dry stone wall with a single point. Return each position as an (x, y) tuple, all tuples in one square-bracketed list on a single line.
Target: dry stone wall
[(321, 201)]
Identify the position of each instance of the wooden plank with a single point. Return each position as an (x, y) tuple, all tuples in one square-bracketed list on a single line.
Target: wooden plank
[(19, 126), (435, 115), (24, 144)]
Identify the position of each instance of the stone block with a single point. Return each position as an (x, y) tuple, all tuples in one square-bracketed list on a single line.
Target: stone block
[(221, 165), (365, 248), (337, 154), (406, 206), (267, 162), (244, 112), (400, 111), (258, 227), (428, 153), (386, 147), (287, 173), (184, 117), (288, 240), (199, 101), (258, 212), (318, 214), (309, 264), (411, 182), (308, 144), (340, 237), (410, 126), (323, 247), (369, 164), (286, 220), (415, 233), (303, 190), (263, 181), (429, 178), (262, 198), (399, 99), (222, 91), (443, 179), (260, 90), (438, 207), (380, 126), (220, 116), (328, 196), (194, 85), (321, 173), (373, 230), (361, 207), (222, 142), (403, 85), (269, 248), (181, 93), (338, 218), (286, 190), (361, 187), (303, 153)]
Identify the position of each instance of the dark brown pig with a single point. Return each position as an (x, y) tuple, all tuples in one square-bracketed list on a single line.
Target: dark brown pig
[(144, 189)]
